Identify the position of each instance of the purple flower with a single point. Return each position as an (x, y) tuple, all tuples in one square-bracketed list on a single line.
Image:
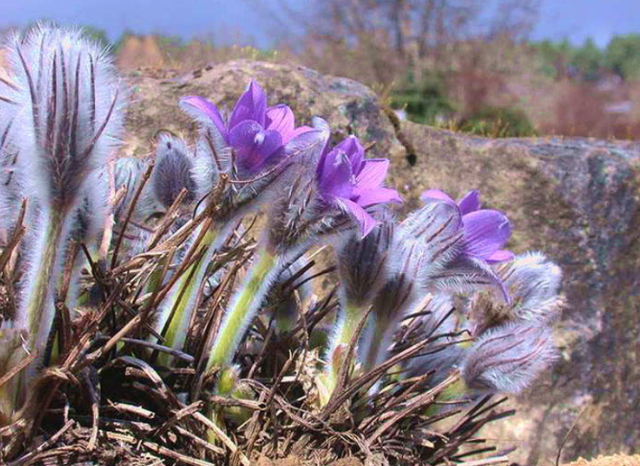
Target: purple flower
[(485, 231), (257, 133), (348, 180)]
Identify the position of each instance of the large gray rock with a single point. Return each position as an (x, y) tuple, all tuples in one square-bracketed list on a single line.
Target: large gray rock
[(575, 199)]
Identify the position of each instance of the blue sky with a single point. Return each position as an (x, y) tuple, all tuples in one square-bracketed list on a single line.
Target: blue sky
[(578, 19), (226, 20)]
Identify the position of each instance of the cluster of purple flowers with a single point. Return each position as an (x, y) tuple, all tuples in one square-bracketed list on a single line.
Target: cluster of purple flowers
[(262, 137), (56, 138), (443, 249)]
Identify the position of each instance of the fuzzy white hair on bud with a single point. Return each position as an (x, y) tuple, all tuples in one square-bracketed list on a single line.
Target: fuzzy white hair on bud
[(508, 359), (61, 113), (172, 172), (533, 282), (362, 261), (213, 156), (436, 230), (62, 108)]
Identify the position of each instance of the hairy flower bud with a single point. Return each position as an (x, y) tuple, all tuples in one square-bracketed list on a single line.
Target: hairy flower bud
[(127, 173), (533, 283), (172, 172), (508, 359), (362, 261), (63, 111), (61, 115)]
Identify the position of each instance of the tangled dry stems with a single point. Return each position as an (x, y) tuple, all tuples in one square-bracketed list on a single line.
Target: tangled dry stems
[(104, 402)]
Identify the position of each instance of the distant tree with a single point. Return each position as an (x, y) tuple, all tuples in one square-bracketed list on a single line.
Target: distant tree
[(554, 57), (623, 56), (98, 35), (393, 36), (425, 101), (588, 59)]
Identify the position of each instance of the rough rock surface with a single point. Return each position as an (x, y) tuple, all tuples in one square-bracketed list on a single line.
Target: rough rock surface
[(575, 199)]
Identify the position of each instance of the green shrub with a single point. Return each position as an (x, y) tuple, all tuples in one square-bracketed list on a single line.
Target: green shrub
[(623, 56), (424, 102), (500, 122)]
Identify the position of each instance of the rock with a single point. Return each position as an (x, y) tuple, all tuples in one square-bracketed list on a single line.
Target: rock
[(351, 107), (577, 200)]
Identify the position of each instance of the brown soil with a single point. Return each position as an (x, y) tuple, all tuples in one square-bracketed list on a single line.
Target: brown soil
[(616, 460)]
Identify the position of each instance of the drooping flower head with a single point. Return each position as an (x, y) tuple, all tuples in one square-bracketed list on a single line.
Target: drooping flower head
[(533, 283), (349, 181), (485, 231), (255, 132), (508, 359)]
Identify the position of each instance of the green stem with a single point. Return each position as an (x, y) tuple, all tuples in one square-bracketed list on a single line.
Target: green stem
[(345, 332), (39, 308), (454, 391), (184, 299), (378, 342), (245, 305)]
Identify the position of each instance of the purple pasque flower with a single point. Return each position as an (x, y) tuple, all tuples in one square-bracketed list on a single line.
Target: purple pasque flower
[(256, 133), (486, 231), (349, 181)]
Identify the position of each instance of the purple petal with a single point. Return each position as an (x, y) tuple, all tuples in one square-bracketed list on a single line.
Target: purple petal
[(372, 173), (470, 202), (368, 197), (436, 194), (300, 130), (485, 232), (352, 147), (254, 147), (306, 143), (336, 179), (252, 105), (365, 221), (207, 108), (500, 256), (281, 119)]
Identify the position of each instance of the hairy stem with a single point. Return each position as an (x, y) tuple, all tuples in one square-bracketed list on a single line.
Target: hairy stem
[(183, 300), (345, 331), (38, 305), (37, 309), (244, 306), (11, 353), (379, 337)]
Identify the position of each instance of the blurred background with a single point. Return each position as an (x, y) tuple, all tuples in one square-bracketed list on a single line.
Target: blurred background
[(492, 67)]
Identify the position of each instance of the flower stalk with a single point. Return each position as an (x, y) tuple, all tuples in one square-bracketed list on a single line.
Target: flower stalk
[(244, 307), (346, 330), (176, 313), (39, 304)]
